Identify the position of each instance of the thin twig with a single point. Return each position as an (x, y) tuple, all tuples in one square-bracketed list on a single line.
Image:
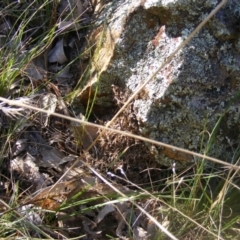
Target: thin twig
[(128, 134)]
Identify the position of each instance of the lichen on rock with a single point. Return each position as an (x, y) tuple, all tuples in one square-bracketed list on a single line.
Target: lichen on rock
[(187, 97)]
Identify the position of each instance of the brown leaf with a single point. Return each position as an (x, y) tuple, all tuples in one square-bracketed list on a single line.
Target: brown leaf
[(176, 155), (47, 102), (53, 196), (84, 134)]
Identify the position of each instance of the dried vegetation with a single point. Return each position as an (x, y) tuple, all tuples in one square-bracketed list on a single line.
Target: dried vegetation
[(50, 183)]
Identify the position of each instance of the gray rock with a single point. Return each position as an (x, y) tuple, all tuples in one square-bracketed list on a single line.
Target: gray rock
[(183, 104)]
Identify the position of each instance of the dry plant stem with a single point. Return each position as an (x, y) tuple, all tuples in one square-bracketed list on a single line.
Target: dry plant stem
[(221, 196), (163, 229), (168, 60), (15, 103), (173, 208)]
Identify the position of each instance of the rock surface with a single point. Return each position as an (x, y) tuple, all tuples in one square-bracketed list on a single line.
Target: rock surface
[(182, 105)]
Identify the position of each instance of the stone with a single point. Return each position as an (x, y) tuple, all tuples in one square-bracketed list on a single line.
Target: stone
[(184, 102)]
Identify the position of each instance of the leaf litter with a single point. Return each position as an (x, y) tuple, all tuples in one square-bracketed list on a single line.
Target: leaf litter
[(43, 147)]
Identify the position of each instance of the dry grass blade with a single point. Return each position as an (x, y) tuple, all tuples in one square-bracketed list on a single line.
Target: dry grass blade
[(162, 228), (11, 112), (151, 196), (215, 160)]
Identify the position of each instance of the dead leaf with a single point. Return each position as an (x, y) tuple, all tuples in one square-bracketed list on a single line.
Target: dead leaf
[(84, 134), (35, 69), (47, 102), (47, 156), (26, 167), (57, 54), (125, 216), (68, 25), (75, 172), (104, 211), (3, 39), (139, 233), (5, 27), (71, 11), (30, 214), (51, 157), (19, 146), (69, 158), (64, 75), (53, 196), (176, 155)]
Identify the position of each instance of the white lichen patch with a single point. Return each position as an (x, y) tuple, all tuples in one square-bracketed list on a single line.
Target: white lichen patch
[(188, 95)]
